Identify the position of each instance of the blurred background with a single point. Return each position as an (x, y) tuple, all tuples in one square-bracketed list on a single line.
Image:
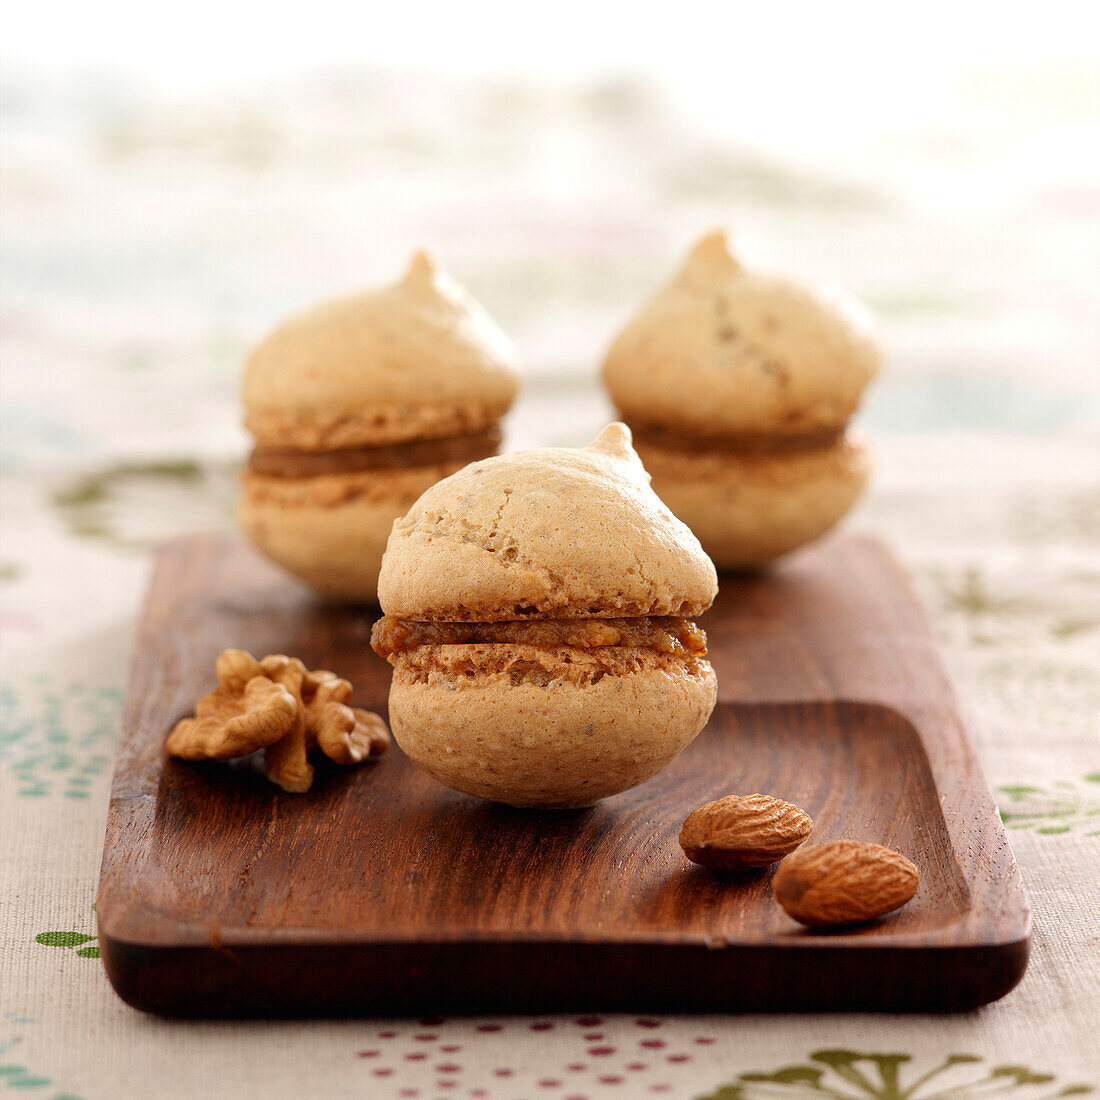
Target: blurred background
[(176, 179), (174, 183)]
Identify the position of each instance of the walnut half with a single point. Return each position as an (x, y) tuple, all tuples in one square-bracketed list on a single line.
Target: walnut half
[(279, 706)]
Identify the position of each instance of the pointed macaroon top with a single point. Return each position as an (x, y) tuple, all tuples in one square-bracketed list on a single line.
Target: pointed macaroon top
[(616, 442), (723, 351), (421, 274), (558, 532), (419, 342), (710, 259)]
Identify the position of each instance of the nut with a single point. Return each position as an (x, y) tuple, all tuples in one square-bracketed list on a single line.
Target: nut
[(844, 882), (278, 705), (743, 831)]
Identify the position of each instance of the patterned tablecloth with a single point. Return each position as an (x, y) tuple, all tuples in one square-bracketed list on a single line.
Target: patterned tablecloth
[(146, 243)]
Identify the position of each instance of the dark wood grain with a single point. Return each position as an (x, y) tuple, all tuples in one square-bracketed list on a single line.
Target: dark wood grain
[(382, 892)]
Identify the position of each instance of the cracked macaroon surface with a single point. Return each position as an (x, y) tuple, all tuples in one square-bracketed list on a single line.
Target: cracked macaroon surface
[(553, 533)]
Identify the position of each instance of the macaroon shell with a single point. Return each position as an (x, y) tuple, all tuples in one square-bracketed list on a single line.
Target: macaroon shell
[(553, 532), (562, 746), (749, 510), (721, 350), (327, 531), (422, 341)]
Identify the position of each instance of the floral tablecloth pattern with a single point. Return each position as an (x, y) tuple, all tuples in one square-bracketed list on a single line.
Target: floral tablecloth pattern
[(147, 243)]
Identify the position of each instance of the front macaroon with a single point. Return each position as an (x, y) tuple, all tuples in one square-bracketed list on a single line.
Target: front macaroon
[(357, 407), (539, 615), (739, 388)]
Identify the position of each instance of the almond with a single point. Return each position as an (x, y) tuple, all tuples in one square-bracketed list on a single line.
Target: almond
[(844, 882), (742, 831)]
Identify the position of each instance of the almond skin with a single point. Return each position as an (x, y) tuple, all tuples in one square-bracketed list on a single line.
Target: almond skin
[(743, 831), (844, 882)]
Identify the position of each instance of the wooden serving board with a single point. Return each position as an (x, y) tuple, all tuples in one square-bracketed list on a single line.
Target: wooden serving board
[(381, 892)]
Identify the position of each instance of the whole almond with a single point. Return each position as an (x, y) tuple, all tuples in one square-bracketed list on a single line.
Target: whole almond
[(743, 831), (844, 882)]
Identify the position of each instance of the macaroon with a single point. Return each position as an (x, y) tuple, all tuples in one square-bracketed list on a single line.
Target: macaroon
[(356, 407), (538, 617), (739, 388)]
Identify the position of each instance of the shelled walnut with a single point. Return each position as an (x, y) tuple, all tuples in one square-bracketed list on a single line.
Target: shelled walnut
[(280, 706)]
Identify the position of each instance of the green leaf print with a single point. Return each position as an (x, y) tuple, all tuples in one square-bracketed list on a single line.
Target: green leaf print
[(135, 505), (978, 605), (62, 939), (17, 1077), (57, 737), (83, 940), (1054, 810), (856, 1075)]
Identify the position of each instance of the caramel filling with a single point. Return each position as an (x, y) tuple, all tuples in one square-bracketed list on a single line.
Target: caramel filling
[(452, 450), (392, 637), (745, 443)]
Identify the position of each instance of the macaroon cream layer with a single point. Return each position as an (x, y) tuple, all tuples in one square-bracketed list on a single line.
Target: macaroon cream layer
[(470, 667), (450, 450), (394, 636), (742, 443), (545, 652)]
